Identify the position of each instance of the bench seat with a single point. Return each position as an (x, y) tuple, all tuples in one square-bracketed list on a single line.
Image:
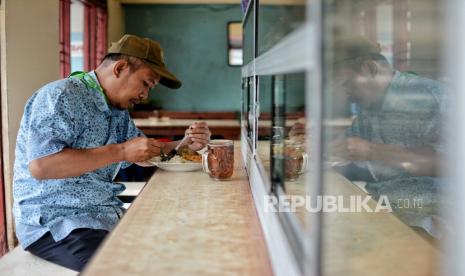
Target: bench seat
[(19, 262)]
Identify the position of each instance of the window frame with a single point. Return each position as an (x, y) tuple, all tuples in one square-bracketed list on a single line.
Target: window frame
[(95, 34), (290, 250)]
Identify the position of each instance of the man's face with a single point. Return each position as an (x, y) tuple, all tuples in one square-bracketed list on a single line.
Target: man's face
[(135, 86), (358, 86)]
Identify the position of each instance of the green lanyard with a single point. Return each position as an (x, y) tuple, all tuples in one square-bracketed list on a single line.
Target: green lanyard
[(90, 82)]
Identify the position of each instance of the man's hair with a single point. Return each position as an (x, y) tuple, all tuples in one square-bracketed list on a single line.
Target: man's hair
[(356, 51), (357, 63), (134, 62)]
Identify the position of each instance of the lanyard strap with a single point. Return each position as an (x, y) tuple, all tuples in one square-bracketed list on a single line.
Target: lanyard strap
[(89, 81)]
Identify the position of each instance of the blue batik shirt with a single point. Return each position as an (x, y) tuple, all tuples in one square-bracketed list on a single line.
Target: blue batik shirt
[(67, 113), (411, 116)]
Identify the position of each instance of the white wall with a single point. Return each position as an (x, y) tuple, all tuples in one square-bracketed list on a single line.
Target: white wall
[(29, 59)]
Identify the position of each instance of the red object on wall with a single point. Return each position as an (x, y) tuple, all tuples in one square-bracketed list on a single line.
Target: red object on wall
[(95, 33), (65, 38)]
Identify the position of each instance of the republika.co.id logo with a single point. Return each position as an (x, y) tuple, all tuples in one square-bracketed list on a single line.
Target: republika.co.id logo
[(326, 203)]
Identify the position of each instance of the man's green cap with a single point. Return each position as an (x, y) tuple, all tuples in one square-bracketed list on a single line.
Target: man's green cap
[(355, 47), (150, 52)]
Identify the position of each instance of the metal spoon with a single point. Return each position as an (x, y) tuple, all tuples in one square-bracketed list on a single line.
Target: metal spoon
[(172, 153)]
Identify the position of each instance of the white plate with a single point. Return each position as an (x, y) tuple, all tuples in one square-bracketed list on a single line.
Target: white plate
[(186, 166)]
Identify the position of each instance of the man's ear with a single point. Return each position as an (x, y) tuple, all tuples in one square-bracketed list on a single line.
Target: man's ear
[(119, 67)]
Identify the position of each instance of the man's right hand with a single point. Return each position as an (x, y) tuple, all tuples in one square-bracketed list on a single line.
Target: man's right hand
[(141, 149)]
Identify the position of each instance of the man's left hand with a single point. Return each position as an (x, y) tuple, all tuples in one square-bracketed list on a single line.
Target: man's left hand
[(199, 135)]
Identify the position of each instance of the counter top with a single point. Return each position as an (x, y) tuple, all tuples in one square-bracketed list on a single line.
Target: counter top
[(184, 224)]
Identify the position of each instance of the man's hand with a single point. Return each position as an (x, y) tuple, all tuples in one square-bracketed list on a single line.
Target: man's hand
[(141, 149), (358, 149), (199, 135)]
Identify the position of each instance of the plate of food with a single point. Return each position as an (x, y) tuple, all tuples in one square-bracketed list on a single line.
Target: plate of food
[(186, 160)]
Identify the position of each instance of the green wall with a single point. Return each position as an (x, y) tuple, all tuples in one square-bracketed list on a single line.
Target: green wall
[(194, 39)]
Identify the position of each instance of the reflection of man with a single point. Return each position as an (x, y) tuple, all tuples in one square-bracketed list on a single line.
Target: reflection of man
[(394, 142), (74, 137)]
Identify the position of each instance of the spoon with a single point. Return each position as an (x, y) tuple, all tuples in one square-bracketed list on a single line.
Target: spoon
[(172, 153)]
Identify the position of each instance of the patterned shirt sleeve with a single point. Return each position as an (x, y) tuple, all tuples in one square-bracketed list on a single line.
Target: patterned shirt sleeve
[(132, 132), (52, 125), (432, 132)]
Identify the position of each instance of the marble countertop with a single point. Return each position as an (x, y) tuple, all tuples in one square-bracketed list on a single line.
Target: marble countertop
[(185, 224)]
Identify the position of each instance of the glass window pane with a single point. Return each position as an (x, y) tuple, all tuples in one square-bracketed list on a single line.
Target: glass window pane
[(384, 104), (281, 133), (247, 108), (295, 152), (249, 52), (77, 36), (276, 21), (264, 122)]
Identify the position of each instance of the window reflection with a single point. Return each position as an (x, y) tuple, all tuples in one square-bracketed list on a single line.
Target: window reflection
[(383, 104), (384, 109), (264, 122), (394, 142), (276, 21), (247, 106), (295, 152), (248, 33), (282, 133)]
